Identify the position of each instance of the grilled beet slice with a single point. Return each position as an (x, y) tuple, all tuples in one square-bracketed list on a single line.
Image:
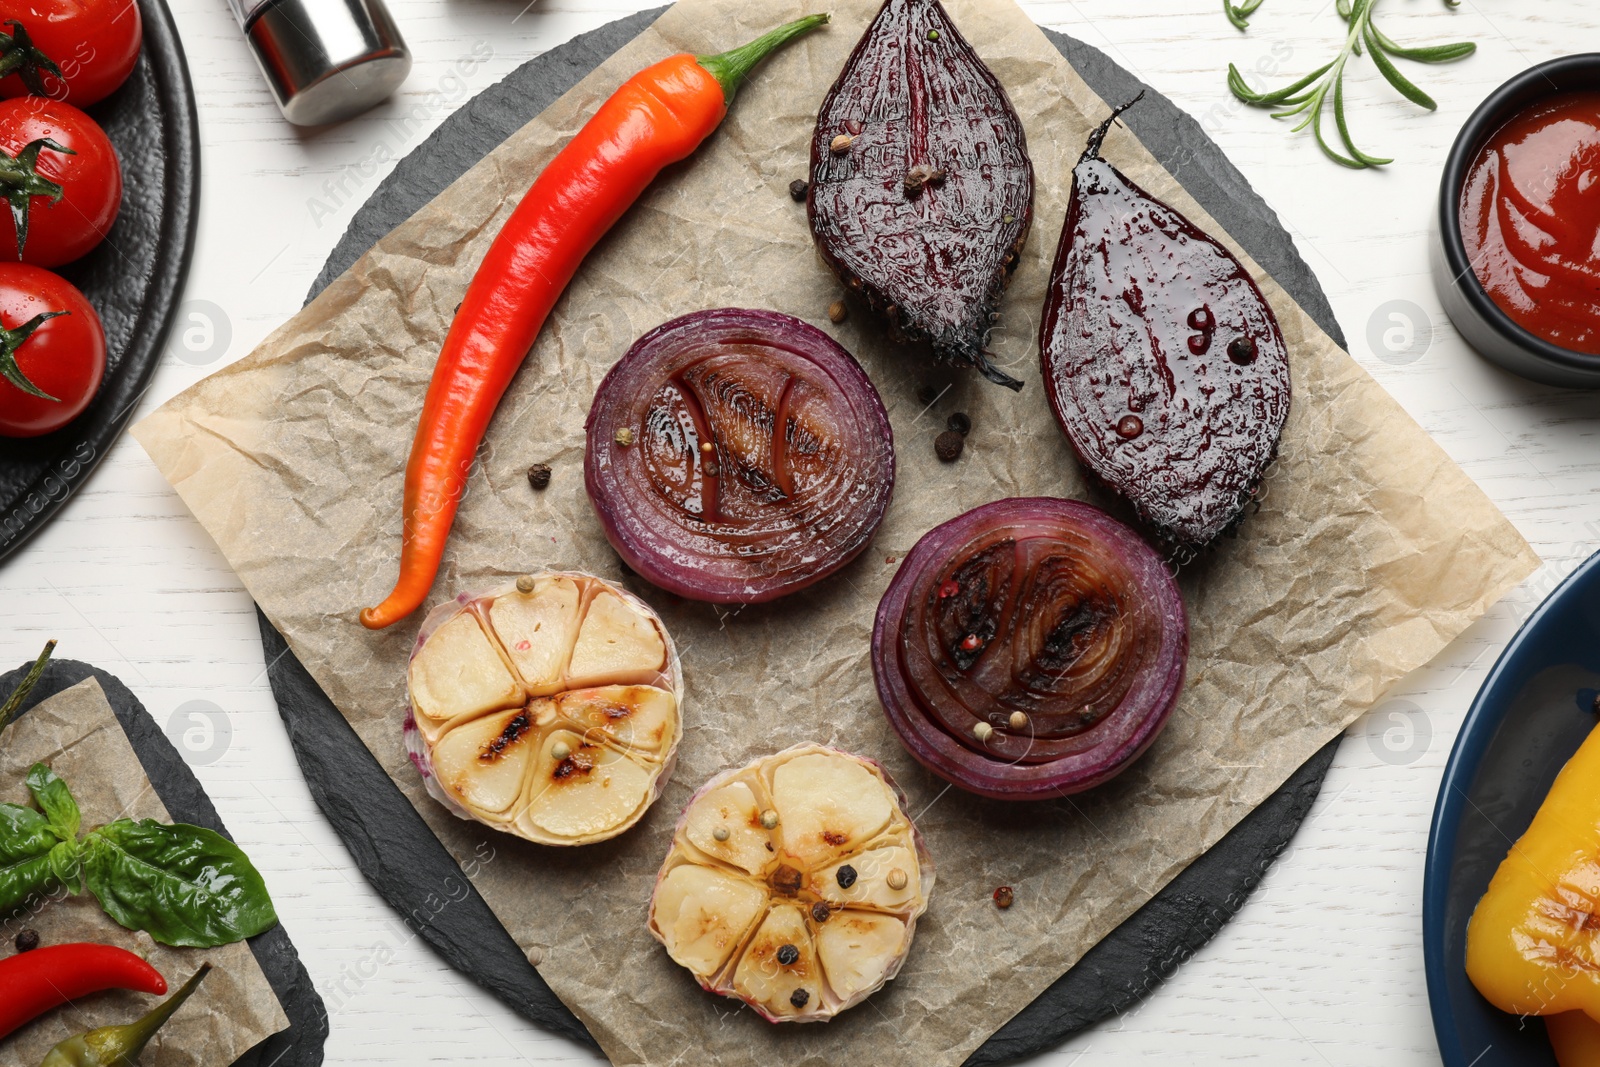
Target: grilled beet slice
[(736, 456), (1165, 367), (921, 190)]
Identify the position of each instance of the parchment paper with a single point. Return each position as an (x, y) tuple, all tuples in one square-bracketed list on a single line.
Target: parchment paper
[(78, 735), (1370, 552)]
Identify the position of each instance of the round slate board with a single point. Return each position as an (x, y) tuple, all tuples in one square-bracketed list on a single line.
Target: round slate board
[(134, 278), (187, 802), (407, 864)]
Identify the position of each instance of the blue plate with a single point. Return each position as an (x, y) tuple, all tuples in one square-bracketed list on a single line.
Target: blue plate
[(1533, 712)]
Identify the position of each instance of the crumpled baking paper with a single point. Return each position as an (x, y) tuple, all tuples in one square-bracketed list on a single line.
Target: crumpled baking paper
[(77, 734), (1371, 550)]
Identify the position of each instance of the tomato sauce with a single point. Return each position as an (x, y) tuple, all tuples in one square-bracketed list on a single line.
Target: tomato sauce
[(1530, 217)]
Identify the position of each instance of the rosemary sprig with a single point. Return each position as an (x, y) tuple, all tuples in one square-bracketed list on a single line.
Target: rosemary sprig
[(1309, 97), (1239, 14)]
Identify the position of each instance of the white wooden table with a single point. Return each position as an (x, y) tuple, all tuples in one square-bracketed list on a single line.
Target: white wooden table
[(1323, 966)]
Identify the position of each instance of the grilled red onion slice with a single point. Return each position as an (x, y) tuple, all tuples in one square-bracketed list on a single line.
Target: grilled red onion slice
[(735, 456), (1030, 648)]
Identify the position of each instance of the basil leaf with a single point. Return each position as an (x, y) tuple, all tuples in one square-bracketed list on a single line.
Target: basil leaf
[(24, 833), (26, 840), (55, 800), (183, 885), (66, 863), (23, 882)]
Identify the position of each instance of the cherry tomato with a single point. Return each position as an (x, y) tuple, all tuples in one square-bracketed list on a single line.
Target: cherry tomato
[(63, 356), (90, 179), (94, 44)]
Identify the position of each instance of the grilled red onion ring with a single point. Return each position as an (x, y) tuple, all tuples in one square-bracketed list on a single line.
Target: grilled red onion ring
[(735, 456), (1030, 648)]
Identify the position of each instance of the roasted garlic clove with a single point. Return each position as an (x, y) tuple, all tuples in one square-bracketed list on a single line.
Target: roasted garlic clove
[(636, 716), (884, 877), (458, 673), (779, 962), (725, 823), (827, 806), (856, 947), (702, 915), (579, 790), (538, 629), (616, 644), (483, 763)]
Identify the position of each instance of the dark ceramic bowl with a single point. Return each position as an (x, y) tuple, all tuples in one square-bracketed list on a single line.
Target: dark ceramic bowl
[(1487, 328), (1534, 710)]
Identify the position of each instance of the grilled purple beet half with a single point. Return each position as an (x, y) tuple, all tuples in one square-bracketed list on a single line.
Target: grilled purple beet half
[(921, 190), (1165, 367)]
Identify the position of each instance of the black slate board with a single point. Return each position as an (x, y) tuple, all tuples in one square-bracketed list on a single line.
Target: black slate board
[(134, 279), (187, 802), (407, 865)]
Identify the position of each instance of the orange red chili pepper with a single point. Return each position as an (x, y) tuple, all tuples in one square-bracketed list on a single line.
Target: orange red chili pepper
[(31, 983), (657, 117)]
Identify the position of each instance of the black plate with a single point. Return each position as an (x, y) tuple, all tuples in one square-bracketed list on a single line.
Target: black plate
[(186, 801), (134, 279), (410, 868)]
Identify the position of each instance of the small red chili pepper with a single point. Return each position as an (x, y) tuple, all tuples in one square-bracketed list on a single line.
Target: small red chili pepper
[(659, 116), (32, 983)]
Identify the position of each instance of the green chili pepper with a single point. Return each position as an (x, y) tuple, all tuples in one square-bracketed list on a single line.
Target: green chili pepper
[(120, 1046), (13, 704)]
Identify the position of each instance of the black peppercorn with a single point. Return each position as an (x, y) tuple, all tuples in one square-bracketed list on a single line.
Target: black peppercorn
[(787, 954), (27, 940), (846, 876), (799, 998), (948, 445), (819, 912), (1242, 350), (539, 476), (797, 190), (960, 422)]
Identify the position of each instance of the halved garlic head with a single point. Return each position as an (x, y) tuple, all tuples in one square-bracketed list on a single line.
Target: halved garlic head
[(794, 884), (549, 709)]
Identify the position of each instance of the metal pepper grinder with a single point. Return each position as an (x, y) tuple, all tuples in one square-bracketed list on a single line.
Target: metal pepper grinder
[(326, 60)]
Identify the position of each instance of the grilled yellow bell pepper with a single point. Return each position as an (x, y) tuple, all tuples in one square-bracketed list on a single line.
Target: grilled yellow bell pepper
[(1576, 1039), (1533, 944)]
